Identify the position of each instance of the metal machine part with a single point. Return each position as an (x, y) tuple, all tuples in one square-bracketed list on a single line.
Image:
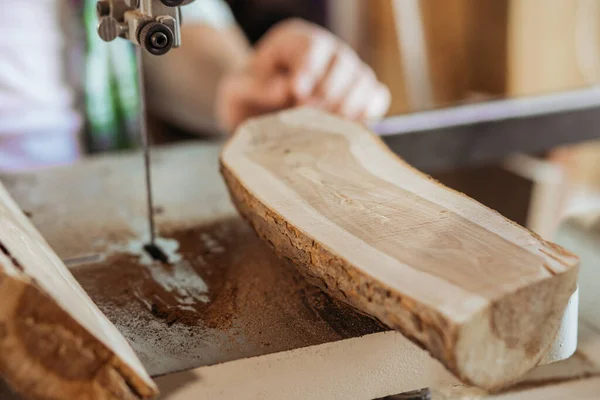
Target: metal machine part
[(153, 25), (486, 133)]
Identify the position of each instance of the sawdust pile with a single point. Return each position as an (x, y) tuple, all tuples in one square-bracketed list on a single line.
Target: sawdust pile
[(228, 297)]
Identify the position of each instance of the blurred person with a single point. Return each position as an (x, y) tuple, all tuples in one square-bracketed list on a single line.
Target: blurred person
[(63, 92)]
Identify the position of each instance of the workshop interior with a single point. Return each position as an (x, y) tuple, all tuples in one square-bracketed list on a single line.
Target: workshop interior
[(184, 217)]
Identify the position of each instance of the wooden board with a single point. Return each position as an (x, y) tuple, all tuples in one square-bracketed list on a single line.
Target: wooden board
[(54, 342), (432, 263)]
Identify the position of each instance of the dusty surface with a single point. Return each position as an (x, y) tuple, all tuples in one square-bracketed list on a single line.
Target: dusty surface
[(83, 209), (253, 303), (257, 304), (54, 342)]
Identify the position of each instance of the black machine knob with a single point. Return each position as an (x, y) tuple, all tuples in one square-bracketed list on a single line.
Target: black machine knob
[(156, 38), (109, 28)]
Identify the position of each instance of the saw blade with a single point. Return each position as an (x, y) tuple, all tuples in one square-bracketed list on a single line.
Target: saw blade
[(146, 145)]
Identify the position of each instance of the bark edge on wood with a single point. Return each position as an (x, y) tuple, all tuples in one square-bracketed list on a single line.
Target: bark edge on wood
[(491, 347)]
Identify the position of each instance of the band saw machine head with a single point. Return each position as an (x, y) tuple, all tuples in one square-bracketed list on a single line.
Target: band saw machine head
[(154, 25)]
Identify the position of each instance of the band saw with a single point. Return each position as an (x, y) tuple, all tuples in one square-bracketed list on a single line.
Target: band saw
[(255, 332)]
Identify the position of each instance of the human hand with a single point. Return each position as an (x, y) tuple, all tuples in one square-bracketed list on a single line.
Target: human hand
[(299, 63)]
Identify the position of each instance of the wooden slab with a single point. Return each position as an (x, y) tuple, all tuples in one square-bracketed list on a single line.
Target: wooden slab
[(54, 342), (480, 293)]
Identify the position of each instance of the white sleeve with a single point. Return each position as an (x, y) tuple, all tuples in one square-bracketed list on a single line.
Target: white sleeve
[(36, 100), (212, 12)]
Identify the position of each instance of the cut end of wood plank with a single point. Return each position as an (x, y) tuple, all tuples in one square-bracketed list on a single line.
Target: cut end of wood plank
[(523, 326), (54, 342), (480, 293)]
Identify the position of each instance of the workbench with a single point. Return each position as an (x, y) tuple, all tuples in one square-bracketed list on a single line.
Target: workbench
[(235, 322)]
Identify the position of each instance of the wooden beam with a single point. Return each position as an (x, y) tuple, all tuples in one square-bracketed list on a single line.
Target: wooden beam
[(481, 294), (54, 342)]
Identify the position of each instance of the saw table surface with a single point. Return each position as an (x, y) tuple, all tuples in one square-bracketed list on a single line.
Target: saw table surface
[(232, 298)]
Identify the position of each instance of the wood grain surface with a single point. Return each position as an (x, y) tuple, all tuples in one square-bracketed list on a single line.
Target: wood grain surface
[(480, 293), (54, 342)]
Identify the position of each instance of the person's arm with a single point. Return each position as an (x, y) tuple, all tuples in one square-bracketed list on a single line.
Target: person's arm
[(39, 121), (215, 76), (182, 85), (298, 63)]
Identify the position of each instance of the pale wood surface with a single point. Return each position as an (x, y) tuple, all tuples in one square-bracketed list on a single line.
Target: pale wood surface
[(363, 368), (64, 207), (54, 341), (430, 262), (586, 389)]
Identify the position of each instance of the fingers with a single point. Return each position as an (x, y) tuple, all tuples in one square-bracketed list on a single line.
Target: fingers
[(359, 95), (299, 49), (367, 99), (313, 65), (352, 92), (379, 104), (349, 87), (340, 76), (298, 63)]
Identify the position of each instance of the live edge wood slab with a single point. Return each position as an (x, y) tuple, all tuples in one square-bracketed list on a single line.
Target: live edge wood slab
[(480, 293), (54, 342)]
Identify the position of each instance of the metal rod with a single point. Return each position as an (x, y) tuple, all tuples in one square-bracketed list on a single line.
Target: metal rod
[(488, 132), (496, 110), (146, 145)]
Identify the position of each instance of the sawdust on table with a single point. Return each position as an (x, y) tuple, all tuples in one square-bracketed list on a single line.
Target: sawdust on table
[(228, 296)]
